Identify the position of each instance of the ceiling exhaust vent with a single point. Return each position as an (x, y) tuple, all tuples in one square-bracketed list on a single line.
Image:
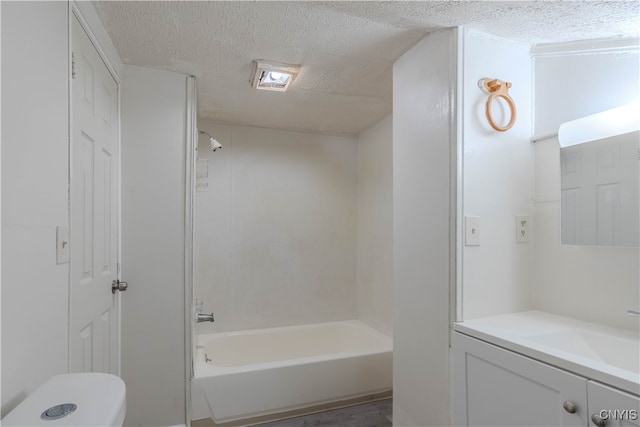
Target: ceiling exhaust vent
[(273, 75)]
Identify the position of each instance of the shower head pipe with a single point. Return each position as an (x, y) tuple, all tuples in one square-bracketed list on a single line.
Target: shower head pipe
[(215, 145)]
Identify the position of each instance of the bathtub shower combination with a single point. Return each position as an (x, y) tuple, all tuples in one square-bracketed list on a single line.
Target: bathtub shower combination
[(246, 374)]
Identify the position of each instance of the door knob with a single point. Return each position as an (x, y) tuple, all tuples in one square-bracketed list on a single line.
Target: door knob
[(117, 285)]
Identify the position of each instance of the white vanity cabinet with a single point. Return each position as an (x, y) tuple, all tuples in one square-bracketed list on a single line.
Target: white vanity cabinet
[(497, 387), (493, 386)]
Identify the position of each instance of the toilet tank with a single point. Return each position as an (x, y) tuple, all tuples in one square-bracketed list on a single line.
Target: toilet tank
[(73, 400)]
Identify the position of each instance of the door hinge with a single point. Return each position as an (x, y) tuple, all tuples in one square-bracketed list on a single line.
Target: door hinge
[(73, 65)]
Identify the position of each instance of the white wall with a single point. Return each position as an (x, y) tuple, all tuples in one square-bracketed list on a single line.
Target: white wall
[(154, 124), (574, 80), (276, 228), (34, 195), (595, 284), (424, 138), (498, 179), (375, 226)]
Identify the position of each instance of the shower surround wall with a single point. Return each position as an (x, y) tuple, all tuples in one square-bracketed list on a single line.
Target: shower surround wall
[(276, 228), (375, 226)]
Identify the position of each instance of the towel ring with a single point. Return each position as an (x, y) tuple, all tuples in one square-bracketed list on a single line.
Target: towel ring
[(498, 89)]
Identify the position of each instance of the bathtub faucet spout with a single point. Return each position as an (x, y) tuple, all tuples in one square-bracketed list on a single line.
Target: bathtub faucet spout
[(204, 317)]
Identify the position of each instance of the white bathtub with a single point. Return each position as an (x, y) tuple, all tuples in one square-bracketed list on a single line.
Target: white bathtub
[(260, 372)]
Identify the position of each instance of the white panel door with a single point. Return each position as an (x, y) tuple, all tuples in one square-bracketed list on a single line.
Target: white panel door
[(93, 336), (600, 192)]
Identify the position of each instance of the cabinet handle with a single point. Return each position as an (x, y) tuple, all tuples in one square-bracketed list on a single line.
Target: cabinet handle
[(598, 420), (570, 407)]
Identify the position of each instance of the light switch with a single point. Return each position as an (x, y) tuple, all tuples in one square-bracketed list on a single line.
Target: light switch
[(62, 245), (472, 230)]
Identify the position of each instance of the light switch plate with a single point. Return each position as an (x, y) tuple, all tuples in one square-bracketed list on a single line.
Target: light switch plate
[(472, 230), (62, 245)]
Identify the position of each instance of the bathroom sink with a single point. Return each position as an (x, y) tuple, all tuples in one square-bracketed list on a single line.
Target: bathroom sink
[(619, 352), (599, 352)]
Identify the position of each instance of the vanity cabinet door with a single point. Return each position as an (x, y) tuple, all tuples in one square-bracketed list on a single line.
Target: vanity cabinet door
[(612, 408), (497, 387)]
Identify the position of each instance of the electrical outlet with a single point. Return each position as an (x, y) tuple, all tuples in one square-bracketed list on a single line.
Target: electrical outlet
[(472, 230), (522, 228)]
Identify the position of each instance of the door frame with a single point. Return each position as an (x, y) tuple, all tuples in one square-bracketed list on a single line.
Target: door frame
[(86, 19), (90, 22), (191, 138)]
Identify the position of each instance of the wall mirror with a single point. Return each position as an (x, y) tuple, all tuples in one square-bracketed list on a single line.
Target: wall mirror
[(600, 179)]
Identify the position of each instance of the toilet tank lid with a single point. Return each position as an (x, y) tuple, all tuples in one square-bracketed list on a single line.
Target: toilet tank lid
[(99, 398)]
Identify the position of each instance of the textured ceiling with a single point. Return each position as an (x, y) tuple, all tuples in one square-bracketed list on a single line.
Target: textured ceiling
[(346, 48)]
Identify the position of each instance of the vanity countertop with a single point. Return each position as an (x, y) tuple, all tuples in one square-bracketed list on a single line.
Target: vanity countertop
[(598, 352)]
